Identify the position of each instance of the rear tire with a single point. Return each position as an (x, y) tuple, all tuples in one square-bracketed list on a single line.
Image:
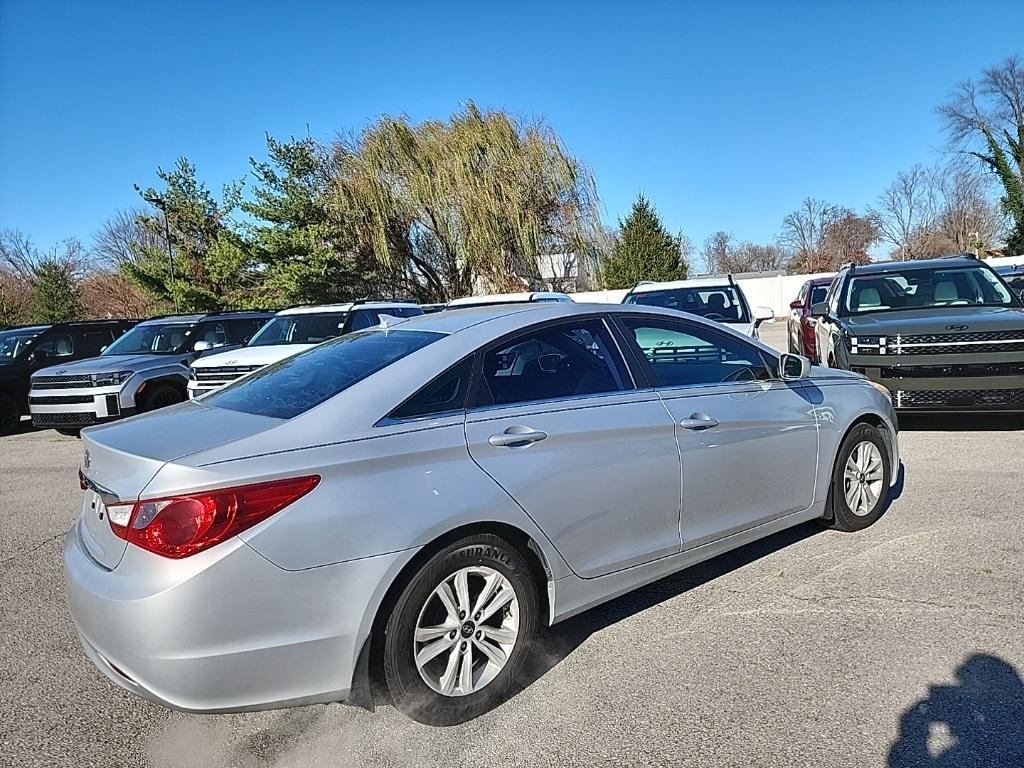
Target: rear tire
[(161, 396), (860, 479), (441, 623), (10, 414)]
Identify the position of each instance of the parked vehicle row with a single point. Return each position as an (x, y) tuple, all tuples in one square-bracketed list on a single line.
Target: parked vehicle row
[(142, 370), (713, 298), (941, 334), (431, 491)]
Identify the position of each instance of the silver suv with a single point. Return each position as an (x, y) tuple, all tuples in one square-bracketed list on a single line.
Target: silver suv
[(143, 370), (290, 331)]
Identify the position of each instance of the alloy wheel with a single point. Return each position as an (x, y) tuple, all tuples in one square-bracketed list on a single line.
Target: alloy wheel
[(863, 478), (466, 631)]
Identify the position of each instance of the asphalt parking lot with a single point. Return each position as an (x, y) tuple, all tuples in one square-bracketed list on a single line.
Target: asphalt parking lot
[(811, 648)]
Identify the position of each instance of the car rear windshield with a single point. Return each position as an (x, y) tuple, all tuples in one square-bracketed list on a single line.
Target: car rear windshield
[(715, 302), (304, 328), (294, 385), (925, 288), (152, 339)]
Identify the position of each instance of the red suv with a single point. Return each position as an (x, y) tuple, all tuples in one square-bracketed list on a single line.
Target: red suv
[(801, 324)]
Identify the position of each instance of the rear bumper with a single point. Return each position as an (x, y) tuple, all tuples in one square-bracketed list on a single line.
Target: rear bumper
[(224, 630)]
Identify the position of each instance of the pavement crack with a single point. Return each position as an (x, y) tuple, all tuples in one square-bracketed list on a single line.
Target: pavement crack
[(35, 548)]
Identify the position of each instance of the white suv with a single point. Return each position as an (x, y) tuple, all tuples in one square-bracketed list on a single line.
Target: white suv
[(290, 331), (713, 298)]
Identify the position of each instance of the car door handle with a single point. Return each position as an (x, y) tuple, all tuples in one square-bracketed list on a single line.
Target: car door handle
[(699, 421), (515, 436)]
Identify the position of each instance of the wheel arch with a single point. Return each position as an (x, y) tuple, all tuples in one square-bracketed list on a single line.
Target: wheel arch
[(369, 667), (179, 382), (872, 419)]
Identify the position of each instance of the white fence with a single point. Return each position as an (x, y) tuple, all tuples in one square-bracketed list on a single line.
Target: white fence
[(773, 291)]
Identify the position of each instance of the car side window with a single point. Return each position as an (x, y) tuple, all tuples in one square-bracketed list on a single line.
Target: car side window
[(567, 360), (444, 394), (683, 354), (240, 331), (833, 293), (91, 340), (58, 344), (364, 318), (214, 333)]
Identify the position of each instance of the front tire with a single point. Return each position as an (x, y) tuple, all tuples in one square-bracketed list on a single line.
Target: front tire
[(860, 479), (161, 396), (460, 632)]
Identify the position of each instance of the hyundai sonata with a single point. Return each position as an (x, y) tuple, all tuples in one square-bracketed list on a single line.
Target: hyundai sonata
[(431, 491)]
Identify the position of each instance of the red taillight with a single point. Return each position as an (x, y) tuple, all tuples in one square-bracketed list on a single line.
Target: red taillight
[(179, 526)]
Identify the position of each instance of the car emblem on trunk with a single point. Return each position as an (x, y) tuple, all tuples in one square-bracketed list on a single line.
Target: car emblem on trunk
[(956, 327), (62, 370), (86, 461)]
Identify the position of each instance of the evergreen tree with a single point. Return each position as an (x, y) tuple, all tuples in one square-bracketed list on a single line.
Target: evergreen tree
[(644, 251), (212, 267), (56, 297)]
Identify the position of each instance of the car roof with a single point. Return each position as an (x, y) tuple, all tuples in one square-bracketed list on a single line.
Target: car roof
[(510, 298), (198, 316), (716, 281), (25, 328), (942, 262), (345, 307)]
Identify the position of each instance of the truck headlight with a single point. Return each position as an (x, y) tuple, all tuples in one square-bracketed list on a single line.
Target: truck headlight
[(110, 379)]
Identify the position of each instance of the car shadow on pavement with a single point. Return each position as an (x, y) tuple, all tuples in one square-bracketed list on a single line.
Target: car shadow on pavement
[(961, 422), (556, 643), (977, 722)]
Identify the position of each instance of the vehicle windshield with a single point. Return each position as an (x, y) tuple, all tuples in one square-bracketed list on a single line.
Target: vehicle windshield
[(296, 384), (311, 328), (925, 288), (13, 342), (152, 339), (715, 302)]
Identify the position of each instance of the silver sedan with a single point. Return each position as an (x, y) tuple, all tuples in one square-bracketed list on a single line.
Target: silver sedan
[(429, 493)]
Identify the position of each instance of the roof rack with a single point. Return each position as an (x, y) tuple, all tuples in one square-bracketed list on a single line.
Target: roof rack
[(382, 301), (235, 311)]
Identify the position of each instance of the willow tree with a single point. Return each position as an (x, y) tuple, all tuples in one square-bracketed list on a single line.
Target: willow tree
[(464, 204)]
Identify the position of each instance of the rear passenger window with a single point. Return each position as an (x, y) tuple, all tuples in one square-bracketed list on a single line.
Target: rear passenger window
[(444, 394), (681, 354), (92, 341), (567, 360)]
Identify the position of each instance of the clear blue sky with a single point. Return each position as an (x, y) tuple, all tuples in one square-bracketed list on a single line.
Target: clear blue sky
[(726, 114)]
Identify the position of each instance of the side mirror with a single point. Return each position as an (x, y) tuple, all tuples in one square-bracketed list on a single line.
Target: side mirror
[(819, 310), (763, 313), (202, 346), (793, 367), (796, 304)]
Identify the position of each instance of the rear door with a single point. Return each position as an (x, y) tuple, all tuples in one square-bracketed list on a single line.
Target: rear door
[(748, 441), (558, 423)]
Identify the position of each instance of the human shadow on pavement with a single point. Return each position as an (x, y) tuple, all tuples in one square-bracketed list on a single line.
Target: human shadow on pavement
[(984, 715)]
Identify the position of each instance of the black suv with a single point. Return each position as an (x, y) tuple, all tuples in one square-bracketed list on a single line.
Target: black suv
[(942, 334), (26, 349)]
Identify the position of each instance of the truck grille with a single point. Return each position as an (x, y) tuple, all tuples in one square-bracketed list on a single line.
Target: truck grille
[(63, 419), (60, 382), (61, 400), (953, 369), (223, 374), (939, 399), (957, 343)]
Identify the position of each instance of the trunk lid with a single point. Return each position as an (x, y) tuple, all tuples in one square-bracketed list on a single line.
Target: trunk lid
[(122, 458)]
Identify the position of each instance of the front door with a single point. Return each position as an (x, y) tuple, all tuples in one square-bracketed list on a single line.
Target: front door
[(560, 426), (748, 441)]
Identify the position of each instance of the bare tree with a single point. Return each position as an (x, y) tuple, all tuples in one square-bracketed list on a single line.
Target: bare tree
[(803, 232), (987, 121), (124, 238), (716, 252), (965, 219), (106, 293), (904, 208)]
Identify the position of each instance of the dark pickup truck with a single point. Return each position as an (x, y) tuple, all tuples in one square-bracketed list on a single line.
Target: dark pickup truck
[(941, 334)]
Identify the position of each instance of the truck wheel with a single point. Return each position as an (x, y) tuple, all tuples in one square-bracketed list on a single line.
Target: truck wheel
[(160, 396), (10, 414)]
